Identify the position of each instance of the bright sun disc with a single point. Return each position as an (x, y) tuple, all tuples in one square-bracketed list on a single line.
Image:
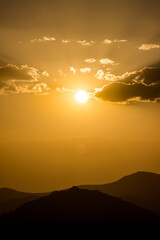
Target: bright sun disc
[(81, 96)]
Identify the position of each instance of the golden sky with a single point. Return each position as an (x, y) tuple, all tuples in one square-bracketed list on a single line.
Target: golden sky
[(49, 50)]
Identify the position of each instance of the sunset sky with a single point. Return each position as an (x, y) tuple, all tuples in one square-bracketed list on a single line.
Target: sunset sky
[(50, 50)]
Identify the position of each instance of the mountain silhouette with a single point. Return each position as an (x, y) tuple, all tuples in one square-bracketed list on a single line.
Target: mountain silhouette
[(8, 194), (76, 207), (141, 188), (11, 199)]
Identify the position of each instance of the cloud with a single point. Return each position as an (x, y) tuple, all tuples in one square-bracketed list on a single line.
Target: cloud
[(107, 61), (43, 39), (64, 90), (99, 74), (137, 86), (73, 70), (81, 42), (85, 70), (85, 43), (41, 88), (65, 41), (22, 79), (23, 73), (146, 47), (110, 77), (19, 87), (147, 75), (90, 60), (108, 41), (120, 41), (60, 71), (46, 74), (120, 92), (106, 75)]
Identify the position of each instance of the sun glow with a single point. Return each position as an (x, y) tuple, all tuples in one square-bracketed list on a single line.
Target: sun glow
[(81, 96)]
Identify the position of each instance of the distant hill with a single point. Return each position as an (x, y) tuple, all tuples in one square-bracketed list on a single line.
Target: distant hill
[(11, 199), (8, 194), (141, 188), (77, 208)]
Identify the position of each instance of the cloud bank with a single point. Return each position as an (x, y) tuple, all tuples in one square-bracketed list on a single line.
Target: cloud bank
[(137, 86), (22, 79)]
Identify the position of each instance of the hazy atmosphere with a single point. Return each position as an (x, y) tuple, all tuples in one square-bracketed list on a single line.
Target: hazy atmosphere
[(79, 92)]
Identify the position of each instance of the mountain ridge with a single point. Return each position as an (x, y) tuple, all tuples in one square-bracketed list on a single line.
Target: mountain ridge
[(81, 207), (11, 199), (140, 188), (137, 188)]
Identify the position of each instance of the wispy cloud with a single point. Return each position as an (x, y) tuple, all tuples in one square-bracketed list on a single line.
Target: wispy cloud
[(120, 41), (64, 90), (90, 60), (81, 42), (107, 61), (43, 39), (110, 77), (46, 74), (108, 41), (106, 75), (99, 74), (147, 47), (73, 70), (85, 70), (65, 41), (86, 43)]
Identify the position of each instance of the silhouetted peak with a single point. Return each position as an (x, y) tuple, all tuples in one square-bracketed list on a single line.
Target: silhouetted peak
[(143, 173), (140, 175), (78, 207), (74, 188)]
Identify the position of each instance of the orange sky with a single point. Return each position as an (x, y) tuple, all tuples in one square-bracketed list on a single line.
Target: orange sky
[(51, 49)]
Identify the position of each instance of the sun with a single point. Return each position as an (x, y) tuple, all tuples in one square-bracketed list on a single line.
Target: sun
[(81, 96)]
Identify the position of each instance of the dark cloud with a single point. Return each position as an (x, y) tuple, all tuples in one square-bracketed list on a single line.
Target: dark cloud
[(149, 76), (11, 72), (120, 92), (143, 84), (22, 79)]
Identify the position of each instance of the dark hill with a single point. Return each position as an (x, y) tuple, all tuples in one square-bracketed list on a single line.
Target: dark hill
[(141, 188), (8, 194), (78, 208), (11, 199)]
